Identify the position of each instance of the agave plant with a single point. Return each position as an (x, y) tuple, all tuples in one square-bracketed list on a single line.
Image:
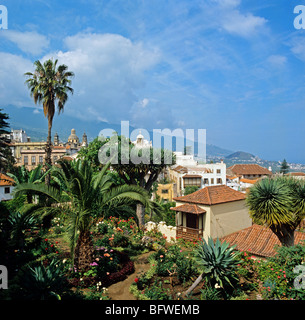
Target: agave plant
[(44, 282), (217, 261)]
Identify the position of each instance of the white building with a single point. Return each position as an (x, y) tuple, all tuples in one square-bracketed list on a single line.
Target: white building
[(200, 175), (185, 160), (141, 142), (18, 136), (6, 187)]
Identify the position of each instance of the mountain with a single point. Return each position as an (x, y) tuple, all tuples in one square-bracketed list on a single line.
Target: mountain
[(241, 155)]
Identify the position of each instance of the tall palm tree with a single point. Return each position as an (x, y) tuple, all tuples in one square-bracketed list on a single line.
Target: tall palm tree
[(90, 194), (279, 203), (49, 85)]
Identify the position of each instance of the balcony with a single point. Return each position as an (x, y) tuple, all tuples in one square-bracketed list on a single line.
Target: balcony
[(190, 234)]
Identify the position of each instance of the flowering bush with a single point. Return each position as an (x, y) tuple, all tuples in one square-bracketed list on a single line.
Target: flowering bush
[(275, 282)]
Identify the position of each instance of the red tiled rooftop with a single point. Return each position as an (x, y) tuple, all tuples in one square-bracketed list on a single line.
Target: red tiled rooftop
[(238, 169), (212, 195), (189, 208), (6, 180), (258, 240)]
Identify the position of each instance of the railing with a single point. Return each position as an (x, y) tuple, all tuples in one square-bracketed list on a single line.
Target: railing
[(189, 233)]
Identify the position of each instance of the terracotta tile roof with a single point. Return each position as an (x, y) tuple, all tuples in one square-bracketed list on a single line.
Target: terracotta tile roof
[(296, 174), (192, 176), (6, 180), (212, 195), (249, 181), (189, 208), (237, 169), (258, 240), (180, 169)]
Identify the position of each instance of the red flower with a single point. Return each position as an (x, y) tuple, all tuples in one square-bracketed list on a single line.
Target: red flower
[(136, 280), (46, 239)]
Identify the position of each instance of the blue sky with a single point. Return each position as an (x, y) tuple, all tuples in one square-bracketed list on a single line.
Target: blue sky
[(232, 67)]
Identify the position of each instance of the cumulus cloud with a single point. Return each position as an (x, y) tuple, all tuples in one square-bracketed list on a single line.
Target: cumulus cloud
[(29, 41), (12, 87), (109, 69), (245, 25)]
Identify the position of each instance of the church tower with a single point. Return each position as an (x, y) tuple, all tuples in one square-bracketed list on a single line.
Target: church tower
[(56, 139), (84, 141)]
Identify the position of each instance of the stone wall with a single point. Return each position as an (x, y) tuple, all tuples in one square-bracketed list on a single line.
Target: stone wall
[(168, 231)]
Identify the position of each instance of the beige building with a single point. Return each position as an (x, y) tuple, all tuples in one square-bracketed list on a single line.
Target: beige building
[(30, 154), (213, 211), (165, 191), (248, 171), (31, 158)]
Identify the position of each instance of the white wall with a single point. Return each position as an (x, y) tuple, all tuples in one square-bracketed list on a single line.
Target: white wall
[(168, 231), (6, 196)]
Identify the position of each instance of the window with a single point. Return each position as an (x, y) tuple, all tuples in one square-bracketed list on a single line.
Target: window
[(7, 190), (164, 191), (40, 159), (33, 160), (192, 182), (26, 160), (54, 158), (219, 181), (218, 171), (212, 180)]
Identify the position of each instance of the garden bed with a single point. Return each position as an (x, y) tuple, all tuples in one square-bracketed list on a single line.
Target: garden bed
[(127, 267)]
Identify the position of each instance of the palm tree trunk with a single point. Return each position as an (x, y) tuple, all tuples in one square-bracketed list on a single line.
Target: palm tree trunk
[(140, 215), (48, 150), (84, 251)]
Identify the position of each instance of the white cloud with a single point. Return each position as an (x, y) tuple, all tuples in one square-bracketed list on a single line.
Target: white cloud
[(12, 87), (109, 69), (29, 41), (245, 25), (277, 60)]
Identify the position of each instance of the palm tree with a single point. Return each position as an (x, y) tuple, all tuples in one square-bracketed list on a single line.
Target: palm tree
[(23, 175), (90, 194), (279, 203), (50, 84)]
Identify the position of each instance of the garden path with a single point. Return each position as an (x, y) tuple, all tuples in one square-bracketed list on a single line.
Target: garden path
[(120, 290)]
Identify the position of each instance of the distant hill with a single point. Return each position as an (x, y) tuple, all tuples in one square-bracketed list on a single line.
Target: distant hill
[(241, 155)]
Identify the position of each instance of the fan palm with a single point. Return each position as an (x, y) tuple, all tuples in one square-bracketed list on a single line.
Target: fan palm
[(90, 195), (50, 84), (278, 203)]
